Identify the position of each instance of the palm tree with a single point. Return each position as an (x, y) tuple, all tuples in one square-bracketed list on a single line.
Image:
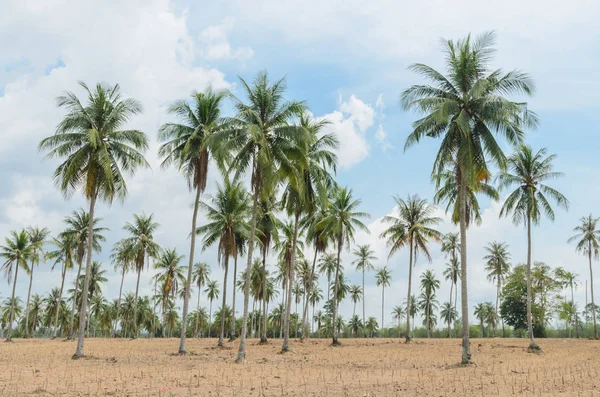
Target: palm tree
[(186, 144), (398, 313), (17, 251), (466, 109), (528, 171), (497, 266), (212, 293), (327, 264), (226, 219), (569, 280), (37, 239), (170, 275), (96, 279), (448, 314), (341, 223), (264, 140), (429, 284), (35, 311), (143, 246), (355, 296), (77, 229), (413, 227), (383, 278), (481, 313), (123, 256), (66, 247), (97, 153), (363, 263), (587, 238), (371, 325), (200, 278), (451, 273)]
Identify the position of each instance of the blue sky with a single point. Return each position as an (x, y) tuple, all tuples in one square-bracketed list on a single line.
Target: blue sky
[(348, 60)]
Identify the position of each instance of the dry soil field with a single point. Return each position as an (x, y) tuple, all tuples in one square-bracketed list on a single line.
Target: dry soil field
[(358, 368)]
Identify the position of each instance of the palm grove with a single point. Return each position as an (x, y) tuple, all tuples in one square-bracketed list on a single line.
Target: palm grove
[(278, 201)]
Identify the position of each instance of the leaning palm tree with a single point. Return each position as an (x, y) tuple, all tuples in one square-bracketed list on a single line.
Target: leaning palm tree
[(413, 226), (587, 238), (66, 247), (226, 219), (497, 266), (382, 279), (186, 146), (528, 171), (142, 244), (98, 152), (466, 109), (37, 239), (200, 278), (265, 142), (123, 256), (16, 253), (429, 284), (364, 256), (341, 224)]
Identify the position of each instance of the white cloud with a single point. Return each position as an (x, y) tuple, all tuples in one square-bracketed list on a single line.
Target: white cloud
[(215, 44)]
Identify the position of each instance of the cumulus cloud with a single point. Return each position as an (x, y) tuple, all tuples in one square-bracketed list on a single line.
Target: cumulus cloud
[(215, 44)]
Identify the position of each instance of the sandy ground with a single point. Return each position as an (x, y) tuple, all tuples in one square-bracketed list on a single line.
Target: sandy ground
[(361, 367)]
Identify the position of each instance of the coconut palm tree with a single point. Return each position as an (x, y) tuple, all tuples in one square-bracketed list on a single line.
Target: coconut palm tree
[(569, 280), (123, 256), (77, 229), (371, 326), (497, 266), (170, 275), (35, 312), (327, 264), (142, 244), (355, 325), (528, 171), (398, 313), (448, 314), (200, 278), (16, 253), (308, 279), (212, 293), (383, 278), (66, 247), (451, 273), (363, 263), (96, 279), (466, 109), (413, 226), (355, 296), (587, 238), (341, 224), (481, 313), (37, 239), (186, 145), (226, 219), (98, 153), (428, 303)]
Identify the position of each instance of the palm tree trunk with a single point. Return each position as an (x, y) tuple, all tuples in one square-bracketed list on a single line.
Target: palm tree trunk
[(308, 294), (455, 306), (532, 345), (86, 282), (210, 317), (382, 306), (263, 335), (288, 308), (28, 299), (119, 303), (242, 347), (451, 309), (497, 300), (62, 284), (188, 284), (12, 304), (70, 336), (408, 300), (220, 343), (363, 303), (335, 341), (466, 344), (592, 290), (196, 327), (576, 319), (135, 305), (235, 258)]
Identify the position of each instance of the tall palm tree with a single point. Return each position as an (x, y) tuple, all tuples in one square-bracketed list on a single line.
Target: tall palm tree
[(451, 273), (383, 278), (587, 238), (226, 219), (66, 249), (448, 314), (413, 226), (98, 153), (466, 109), (170, 275), (569, 280), (363, 263), (141, 240), (528, 171), (123, 256), (200, 278), (212, 293), (265, 142), (497, 266), (429, 284), (398, 313), (17, 251), (77, 229), (327, 265), (37, 239), (355, 296), (186, 145), (341, 224)]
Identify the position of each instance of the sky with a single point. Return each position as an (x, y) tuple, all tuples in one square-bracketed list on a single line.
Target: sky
[(348, 59)]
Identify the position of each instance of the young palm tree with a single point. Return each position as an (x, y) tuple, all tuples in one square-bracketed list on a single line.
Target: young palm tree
[(66, 247), (466, 109), (98, 153), (123, 257), (383, 278), (587, 238), (481, 313), (448, 314), (37, 239), (355, 296), (497, 266), (528, 171), (226, 219), (17, 251), (200, 278), (413, 227), (371, 326), (264, 141), (398, 313), (569, 280), (341, 223), (212, 293), (429, 284), (363, 263), (186, 145), (355, 325)]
